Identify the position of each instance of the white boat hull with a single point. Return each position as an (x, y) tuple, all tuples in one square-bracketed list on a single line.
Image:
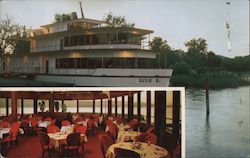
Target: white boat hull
[(106, 81)]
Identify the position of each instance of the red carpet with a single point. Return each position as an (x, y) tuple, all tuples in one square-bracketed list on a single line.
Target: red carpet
[(30, 147)]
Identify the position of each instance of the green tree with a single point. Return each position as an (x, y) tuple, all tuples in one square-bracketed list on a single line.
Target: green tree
[(197, 45), (181, 68), (62, 17), (158, 44), (10, 34), (213, 60), (117, 21), (196, 55)]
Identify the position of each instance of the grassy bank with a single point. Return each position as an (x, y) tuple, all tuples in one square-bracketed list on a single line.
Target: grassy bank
[(216, 81)]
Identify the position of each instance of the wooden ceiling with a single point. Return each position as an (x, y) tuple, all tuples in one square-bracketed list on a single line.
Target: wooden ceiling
[(65, 95)]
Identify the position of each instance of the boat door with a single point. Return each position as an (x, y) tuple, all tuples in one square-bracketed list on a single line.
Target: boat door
[(47, 67)]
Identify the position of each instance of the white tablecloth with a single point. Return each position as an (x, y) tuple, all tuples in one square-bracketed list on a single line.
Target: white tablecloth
[(127, 136), (146, 151), (3, 131), (84, 122), (60, 138), (44, 124), (69, 129)]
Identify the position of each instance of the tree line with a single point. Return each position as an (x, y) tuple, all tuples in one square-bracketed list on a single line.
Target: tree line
[(197, 58)]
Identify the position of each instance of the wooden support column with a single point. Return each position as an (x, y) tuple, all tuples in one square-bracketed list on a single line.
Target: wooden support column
[(123, 108), (130, 106), (148, 107), (109, 106), (51, 101), (7, 106), (101, 106), (160, 113), (35, 106), (176, 114), (115, 106), (22, 106), (14, 104), (139, 106), (77, 106), (207, 96), (93, 106)]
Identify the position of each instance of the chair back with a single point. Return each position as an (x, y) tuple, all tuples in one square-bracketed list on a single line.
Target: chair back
[(73, 139), (113, 131), (48, 119), (90, 123), (53, 129), (133, 123), (106, 142), (43, 137), (53, 122), (5, 124), (34, 122), (123, 153), (151, 130), (81, 129), (65, 123), (14, 130), (39, 118), (108, 122), (147, 137)]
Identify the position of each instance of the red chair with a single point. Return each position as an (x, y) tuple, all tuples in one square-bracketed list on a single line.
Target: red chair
[(81, 130), (91, 126), (52, 129), (151, 130), (119, 120), (133, 123), (45, 142), (34, 125), (13, 133), (53, 122), (5, 124), (73, 141), (106, 142), (147, 137), (108, 122), (113, 131), (65, 123), (25, 126), (48, 119), (40, 118)]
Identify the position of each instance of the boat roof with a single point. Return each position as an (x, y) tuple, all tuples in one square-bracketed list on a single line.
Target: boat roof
[(97, 30), (92, 21)]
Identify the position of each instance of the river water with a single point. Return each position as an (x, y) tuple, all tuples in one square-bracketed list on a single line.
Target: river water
[(226, 132)]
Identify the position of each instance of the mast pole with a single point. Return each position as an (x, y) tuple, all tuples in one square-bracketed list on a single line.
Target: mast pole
[(81, 9)]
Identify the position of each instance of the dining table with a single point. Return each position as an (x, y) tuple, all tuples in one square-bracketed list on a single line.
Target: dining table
[(61, 138), (44, 124), (4, 131), (145, 150), (124, 136)]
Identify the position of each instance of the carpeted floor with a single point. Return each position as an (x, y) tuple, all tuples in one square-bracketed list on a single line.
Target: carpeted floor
[(30, 147)]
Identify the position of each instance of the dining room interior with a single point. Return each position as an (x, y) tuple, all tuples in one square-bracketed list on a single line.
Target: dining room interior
[(97, 122)]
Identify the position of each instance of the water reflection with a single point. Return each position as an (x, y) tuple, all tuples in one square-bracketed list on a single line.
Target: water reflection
[(226, 131)]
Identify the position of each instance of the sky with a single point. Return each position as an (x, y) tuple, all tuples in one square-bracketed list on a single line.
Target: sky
[(176, 21)]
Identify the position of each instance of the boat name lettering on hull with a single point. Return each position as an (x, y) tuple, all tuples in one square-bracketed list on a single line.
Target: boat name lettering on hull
[(149, 80)]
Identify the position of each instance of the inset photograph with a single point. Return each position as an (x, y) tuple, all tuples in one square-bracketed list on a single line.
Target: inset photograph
[(99, 122)]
